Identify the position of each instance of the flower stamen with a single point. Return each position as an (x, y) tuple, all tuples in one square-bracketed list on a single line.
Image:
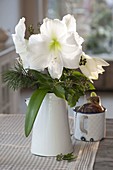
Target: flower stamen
[(82, 61)]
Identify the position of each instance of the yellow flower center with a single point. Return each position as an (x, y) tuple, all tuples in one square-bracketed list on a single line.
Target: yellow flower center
[(55, 45)]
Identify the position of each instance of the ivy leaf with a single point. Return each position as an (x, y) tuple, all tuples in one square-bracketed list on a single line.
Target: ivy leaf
[(33, 108)]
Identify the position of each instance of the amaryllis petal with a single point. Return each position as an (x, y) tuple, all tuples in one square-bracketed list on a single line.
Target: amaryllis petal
[(71, 56), (78, 38), (53, 28), (21, 44), (38, 45), (25, 60), (91, 64), (55, 68), (20, 29), (100, 61), (70, 22), (38, 63), (39, 53), (71, 39), (88, 73), (100, 69)]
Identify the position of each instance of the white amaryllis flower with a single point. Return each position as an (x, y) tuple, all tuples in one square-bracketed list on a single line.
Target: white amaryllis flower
[(91, 66), (55, 47), (20, 42)]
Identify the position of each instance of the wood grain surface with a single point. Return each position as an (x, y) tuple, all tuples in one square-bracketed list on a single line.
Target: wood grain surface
[(104, 157)]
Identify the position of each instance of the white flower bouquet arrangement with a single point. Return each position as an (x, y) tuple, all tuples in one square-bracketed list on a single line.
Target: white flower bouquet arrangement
[(52, 61)]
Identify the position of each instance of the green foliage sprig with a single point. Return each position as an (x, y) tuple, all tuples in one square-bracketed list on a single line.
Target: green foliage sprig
[(71, 86), (69, 157)]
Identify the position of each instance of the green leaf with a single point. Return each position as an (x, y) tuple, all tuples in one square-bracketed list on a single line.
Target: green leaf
[(77, 73), (42, 77), (33, 108), (59, 91), (91, 86), (72, 100)]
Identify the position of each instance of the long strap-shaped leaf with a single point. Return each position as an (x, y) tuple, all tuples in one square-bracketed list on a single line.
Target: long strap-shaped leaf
[(33, 108)]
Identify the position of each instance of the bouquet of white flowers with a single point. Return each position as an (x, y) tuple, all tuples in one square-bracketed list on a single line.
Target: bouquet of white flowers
[(52, 61)]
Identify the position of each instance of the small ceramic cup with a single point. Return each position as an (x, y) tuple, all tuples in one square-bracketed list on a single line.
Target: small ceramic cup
[(89, 126)]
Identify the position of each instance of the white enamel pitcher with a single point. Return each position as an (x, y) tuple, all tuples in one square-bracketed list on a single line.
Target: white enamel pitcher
[(51, 133)]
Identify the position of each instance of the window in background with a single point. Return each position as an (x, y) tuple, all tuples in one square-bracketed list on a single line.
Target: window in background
[(94, 21), (100, 37)]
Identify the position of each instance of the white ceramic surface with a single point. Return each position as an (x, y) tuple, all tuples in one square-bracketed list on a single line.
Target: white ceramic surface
[(51, 134), (90, 127)]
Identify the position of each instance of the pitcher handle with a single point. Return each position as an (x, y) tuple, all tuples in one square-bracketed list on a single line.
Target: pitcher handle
[(82, 124)]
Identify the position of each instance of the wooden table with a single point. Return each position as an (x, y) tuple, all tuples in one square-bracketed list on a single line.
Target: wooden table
[(12, 156), (104, 158)]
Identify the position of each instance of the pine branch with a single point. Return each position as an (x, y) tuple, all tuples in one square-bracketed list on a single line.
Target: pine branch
[(18, 78)]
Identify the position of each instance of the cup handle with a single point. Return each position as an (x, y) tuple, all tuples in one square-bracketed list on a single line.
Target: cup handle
[(82, 124)]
